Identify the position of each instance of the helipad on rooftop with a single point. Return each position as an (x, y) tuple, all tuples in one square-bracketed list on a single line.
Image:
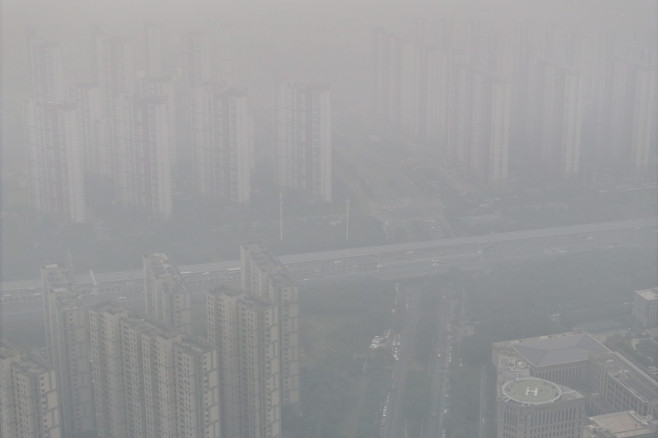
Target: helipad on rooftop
[(531, 391)]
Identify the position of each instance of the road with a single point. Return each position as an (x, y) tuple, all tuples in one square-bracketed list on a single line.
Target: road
[(386, 259), (394, 425), (440, 370)]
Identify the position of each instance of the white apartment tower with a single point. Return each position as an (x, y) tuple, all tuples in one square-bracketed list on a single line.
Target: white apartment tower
[(222, 144), (561, 111), (245, 331), (29, 402), (151, 380), (645, 113), (167, 298), (265, 276), (154, 50), (87, 98), (386, 83), (302, 139), (46, 71), (55, 160), (67, 341), (113, 68), (142, 140), (207, 55)]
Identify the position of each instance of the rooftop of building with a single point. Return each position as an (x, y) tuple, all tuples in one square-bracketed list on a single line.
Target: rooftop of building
[(633, 378), (267, 262), (8, 350), (111, 307), (26, 362), (531, 391), (625, 424), (194, 345), (648, 294), (31, 366), (556, 349), (57, 274), (161, 265), (151, 327), (225, 289), (256, 303)]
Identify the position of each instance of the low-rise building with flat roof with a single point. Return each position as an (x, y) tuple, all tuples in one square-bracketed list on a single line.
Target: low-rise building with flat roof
[(621, 385), (625, 424)]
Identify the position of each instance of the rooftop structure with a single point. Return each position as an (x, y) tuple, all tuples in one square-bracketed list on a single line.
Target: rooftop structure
[(561, 358), (531, 391), (557, 349), (528, 407), (167, 298), (264, 276), (623, 385), (626, 424)]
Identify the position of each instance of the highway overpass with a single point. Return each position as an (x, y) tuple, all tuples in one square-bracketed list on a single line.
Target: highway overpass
[(387, 261)]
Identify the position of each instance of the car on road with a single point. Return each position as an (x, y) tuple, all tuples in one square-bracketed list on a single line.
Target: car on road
[(122, 298)]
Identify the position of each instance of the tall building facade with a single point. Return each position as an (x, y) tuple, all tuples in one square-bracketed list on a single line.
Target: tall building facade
[(55, 160), (87, 98), (302, 139), (245, 331), (645, 307), (46, 70), (113, 67), (207, 55), (151, 380), (67, 343), (29, 402), (167, 297), (264, 275), (222, 144), (142, 139), (386, 78)]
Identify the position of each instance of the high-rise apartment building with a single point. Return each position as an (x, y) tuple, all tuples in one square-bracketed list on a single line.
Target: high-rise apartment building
[(107, 369), (302, 139), (150, 379), (264, 275), (113, 68), (245, 331), (167, 297), (141, 137), (222, 144), (155, 50), (87, 98), (560, 118), (67, 342), (207, 55), (644, 139), (29, 402), (46, 71), (55, 160), (386, 83)]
